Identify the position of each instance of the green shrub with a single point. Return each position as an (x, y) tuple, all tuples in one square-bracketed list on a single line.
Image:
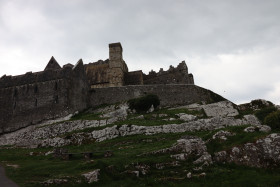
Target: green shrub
[(273, 120), (143, 104), (261, 114)]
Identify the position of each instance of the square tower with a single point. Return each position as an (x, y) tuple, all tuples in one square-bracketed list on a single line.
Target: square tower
[(117, 66)]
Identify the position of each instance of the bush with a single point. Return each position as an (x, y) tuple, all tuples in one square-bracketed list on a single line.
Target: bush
[(143, 104), (273, 120), (261, 114)]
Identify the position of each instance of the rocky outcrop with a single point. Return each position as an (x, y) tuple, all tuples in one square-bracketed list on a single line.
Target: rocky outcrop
[(260, 128), (54, 182), (264, 153), (255, 105), (222, 135), (186, 117), (220, 109), (48, 135), (92, 176), (201, 124), (187, 145)]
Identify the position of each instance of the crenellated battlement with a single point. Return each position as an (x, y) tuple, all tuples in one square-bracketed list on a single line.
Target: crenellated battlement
[(178, 75)]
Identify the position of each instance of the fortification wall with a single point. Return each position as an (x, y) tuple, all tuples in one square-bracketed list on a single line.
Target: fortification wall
[(30, 103), (133, 78), (25, 102), (170, 95)]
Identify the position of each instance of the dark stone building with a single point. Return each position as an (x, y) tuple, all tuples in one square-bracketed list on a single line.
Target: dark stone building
[(56, 92)]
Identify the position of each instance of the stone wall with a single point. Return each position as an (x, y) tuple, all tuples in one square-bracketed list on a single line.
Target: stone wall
[(178, 75), (98, 74), (33, 97), (170, 95), (133, 78)]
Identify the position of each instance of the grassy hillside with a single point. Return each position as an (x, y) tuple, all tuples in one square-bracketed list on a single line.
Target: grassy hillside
[(30, 167)]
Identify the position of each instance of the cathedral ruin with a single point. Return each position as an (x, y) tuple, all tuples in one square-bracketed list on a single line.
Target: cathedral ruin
[(58, 91)]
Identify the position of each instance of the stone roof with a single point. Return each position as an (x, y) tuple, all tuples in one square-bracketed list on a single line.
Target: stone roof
[(52, 65)]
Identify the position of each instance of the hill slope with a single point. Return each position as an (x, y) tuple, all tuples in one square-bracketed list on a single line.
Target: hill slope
[(200, 144)]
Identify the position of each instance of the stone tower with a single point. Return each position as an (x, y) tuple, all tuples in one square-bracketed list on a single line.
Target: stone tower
[(117, 66)]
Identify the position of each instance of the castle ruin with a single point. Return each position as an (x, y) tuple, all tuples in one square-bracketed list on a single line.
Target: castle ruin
[(58, 91), (113, 72)]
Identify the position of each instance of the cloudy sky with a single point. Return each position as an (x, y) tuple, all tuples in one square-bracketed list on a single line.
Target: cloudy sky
[(231, 46)]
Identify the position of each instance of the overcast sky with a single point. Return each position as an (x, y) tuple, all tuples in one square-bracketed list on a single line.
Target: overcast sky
[(232, 47)]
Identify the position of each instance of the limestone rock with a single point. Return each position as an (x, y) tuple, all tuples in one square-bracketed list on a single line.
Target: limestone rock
[(264, 128), (135, 173), (220, 109), (139, 117), (252, 120), (264, 153), (151, 109), (250, 129), (187, 117), (201, 175), (92, 176), (118, 113), (162, 115), (185, 146), (143, 168), (221, 156), (54, 181), (222, 135), (189, 145), (55, 142), (255, 105), (205, 159), (261, 128)]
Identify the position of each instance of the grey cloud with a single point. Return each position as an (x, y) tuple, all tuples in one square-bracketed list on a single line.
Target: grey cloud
[(154, 33)]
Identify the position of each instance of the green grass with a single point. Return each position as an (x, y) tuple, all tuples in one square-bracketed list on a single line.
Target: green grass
[(240, 138), (37, 168)]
